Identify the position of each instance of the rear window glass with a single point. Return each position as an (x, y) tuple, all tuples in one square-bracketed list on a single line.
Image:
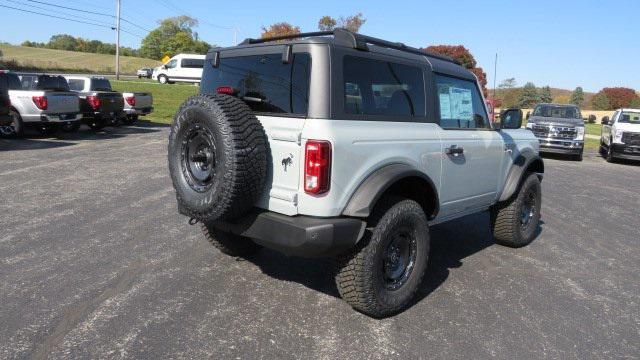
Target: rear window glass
[(192, 63), (10, 81), (264, 82), (100, 85), (76, 84), (55, 83), (557, 111), (373, 87)]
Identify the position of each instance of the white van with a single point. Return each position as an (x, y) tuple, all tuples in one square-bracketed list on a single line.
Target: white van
[(182, 67)]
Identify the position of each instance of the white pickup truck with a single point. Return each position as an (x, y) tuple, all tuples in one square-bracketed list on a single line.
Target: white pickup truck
[(620, 137), (136, 104), (42, 101)]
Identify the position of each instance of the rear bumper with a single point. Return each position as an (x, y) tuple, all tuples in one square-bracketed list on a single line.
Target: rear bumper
[(621, 151), (52, 118), (302, 236), (141, 112), (102, 115)]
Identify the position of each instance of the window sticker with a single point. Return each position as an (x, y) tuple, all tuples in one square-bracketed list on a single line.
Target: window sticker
[(461, 104)]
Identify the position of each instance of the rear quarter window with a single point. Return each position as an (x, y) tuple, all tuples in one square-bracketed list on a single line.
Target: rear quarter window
[(192, 63), (374, 87), (264, 83)]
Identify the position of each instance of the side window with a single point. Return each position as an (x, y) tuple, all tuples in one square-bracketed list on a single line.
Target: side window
[(14, 82), (374, 87), (171, 64), (192, 63), (460, 104)]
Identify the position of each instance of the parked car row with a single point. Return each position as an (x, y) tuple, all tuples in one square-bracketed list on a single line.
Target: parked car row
[(53, 102)]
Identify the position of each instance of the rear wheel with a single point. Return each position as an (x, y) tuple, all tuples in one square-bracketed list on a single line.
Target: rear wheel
[(382, 274), (515, 222), (227, 243), (16, 128), (71, 128), (96, 124), (129, 119), (47, 130)]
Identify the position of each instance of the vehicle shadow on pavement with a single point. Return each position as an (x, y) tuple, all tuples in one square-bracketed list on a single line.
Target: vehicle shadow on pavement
[(451, 243), (29, 144)]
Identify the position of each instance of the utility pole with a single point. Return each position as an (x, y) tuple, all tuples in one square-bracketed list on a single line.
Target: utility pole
[(117, 39), (235, 35), (495, 75)]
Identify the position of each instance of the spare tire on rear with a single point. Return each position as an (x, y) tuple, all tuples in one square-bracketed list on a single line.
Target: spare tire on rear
[(217, 157)]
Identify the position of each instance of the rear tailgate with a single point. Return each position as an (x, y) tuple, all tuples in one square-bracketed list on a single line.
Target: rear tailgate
[(62, 102), (143, 100), (112, 102)]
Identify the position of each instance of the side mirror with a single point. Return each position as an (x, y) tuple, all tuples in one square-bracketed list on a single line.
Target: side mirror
[(164, 67), (605, 120), (511, 119)]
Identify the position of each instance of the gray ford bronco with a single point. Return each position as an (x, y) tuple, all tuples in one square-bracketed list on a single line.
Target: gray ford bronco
[(335, 144)]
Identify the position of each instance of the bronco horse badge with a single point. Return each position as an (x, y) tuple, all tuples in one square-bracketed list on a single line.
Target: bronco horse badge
[(288, 161)]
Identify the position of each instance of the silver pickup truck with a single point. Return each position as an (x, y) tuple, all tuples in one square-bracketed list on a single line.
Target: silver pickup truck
[(42, 101), (136, 104), (559, 128)]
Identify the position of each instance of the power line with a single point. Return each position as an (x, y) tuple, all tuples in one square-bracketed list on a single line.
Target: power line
[(88, 12), (54, 11), (68, 19)]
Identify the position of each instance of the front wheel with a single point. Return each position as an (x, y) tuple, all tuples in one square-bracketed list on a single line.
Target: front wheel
[(610, 155), (382, 274), (162, 79), (515, 222)]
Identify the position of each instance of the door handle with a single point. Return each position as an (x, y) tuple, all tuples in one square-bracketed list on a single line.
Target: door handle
[(454, 150)]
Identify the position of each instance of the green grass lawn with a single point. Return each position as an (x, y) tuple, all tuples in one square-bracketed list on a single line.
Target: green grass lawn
[(166, 98), (592, 129), (70, 61)]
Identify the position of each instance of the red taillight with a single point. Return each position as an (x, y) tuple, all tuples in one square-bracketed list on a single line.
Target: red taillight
[(41, 102), (317, 166), (228, 90), (94, 102), (131, 100)]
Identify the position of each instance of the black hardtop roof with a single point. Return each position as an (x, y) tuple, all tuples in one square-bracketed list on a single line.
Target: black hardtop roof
[(345, 38)]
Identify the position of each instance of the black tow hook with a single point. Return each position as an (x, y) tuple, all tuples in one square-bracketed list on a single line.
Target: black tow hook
[(193, 221)]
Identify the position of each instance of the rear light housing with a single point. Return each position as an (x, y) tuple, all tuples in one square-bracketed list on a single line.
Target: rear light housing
[(131, 100), (94, 102), (227, 90), (317, 167), (41, 102)]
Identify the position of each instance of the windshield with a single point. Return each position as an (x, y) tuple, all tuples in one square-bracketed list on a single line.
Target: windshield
[(100, 85), (557, 111), (630, 118)]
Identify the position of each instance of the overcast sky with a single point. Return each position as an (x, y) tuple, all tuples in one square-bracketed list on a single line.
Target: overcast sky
[(561, 43)]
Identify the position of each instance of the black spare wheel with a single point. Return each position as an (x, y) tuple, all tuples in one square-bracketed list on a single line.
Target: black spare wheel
[(217, 157)]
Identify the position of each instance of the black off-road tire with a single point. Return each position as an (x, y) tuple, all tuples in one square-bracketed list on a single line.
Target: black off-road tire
[(234, 164), (228, 243), (360, 277), (508, 220)]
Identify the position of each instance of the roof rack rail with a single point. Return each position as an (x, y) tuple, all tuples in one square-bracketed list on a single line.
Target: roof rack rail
[(357, 41)]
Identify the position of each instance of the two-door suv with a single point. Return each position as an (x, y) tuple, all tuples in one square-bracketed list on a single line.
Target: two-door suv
[(343, 145)]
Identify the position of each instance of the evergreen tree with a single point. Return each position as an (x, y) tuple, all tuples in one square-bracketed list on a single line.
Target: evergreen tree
[(600, 101), (577, 96), (529, 96), (545, 95)]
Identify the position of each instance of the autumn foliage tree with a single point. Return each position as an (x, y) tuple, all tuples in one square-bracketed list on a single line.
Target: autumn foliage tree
[(279, 29), (352, 23), (467, 60), (619, 97)]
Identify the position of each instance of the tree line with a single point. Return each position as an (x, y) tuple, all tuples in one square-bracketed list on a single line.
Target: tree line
[(609, 98), (72, 43)]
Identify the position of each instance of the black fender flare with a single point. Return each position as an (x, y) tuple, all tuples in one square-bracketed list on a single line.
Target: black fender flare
[(527, 159), (373, 187)]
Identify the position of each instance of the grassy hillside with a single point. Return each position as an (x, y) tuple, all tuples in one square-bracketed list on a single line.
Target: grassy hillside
[(27, 58)]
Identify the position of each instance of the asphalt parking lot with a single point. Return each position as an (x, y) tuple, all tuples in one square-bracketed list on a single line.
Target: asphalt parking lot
[(95, 262)]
